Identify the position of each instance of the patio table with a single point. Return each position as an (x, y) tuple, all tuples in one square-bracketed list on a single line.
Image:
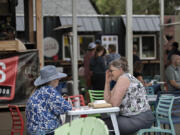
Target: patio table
[(87, 110)]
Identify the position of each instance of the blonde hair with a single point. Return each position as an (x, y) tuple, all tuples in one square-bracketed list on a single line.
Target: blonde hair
[(120, 63)]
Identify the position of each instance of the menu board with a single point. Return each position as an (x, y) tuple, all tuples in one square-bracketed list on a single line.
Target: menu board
[(110, 39)]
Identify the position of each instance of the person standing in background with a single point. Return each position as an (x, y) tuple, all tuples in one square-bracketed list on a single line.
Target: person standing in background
[(87, 72), (135, 55), (97, 66), (112, 54), (98, 42)]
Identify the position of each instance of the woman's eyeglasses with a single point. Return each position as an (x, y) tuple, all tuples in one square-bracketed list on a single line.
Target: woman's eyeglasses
[(112, 70)]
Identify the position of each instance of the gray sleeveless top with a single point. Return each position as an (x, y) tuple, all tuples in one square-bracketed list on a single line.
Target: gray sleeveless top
[(135, 100)]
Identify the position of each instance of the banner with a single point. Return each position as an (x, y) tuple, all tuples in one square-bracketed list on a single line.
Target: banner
[(18, 70)]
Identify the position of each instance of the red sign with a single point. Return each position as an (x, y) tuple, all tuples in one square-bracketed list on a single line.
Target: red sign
[(8, 71)]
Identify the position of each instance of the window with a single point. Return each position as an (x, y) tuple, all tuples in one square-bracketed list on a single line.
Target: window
[(83, 41), (146, 45)]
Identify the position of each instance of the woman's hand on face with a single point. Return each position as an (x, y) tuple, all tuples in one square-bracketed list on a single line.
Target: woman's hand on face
[(108, 76)]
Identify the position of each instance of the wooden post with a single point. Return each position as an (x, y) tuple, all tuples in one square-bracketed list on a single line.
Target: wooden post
[(31, 22), (39, 31), (26, 20)]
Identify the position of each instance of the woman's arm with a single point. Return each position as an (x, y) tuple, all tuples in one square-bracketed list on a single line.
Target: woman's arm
[(115, 96), (107, 92), (57, 103)]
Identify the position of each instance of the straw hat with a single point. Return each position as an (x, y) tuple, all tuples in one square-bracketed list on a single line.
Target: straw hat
[(47, 74)]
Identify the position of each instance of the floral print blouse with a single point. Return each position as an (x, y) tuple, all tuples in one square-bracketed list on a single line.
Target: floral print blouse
[(44, 108), (135, 100)]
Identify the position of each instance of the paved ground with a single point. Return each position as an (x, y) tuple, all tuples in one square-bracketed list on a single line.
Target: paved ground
[(5, 124)]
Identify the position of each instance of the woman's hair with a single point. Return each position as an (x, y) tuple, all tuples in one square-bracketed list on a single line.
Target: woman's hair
[(138, 66), (98, 49), (38, 87), (120, 63)]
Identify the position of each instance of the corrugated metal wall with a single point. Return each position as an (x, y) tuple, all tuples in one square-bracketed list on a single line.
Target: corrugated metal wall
[(114, 26)]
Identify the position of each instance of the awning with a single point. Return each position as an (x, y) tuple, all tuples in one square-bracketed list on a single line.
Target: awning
[(145, 23), (86, 23)]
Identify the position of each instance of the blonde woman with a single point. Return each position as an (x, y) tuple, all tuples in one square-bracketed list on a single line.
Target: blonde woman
[(130, 96)]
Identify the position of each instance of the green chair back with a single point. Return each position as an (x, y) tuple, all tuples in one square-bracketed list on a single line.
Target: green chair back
[(163, 113), (83, 126), (63, 130), (96, 95), (150, 91), (94, 126), (76, 127)]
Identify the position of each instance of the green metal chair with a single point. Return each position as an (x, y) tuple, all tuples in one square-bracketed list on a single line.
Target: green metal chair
[(63, 130), (83, 126), (94, 126), (150, 91), (163, 112), (76, 127), (96, 95)]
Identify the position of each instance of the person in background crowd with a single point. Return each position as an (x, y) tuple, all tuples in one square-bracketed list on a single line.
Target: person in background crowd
[(98, 42), (97, 66), (172, 73), (130, 96), (44, 107), (135, 55), (174, 50), (87, 72), (112, 54), (138, 68)]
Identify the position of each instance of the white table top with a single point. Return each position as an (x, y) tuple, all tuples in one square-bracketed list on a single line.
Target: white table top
[(160, 82), (87, 110)]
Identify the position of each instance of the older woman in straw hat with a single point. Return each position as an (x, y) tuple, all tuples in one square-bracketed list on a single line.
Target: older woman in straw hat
[(45, 105)]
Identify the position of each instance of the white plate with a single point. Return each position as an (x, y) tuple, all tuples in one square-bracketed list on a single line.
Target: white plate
[(160, 82)]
